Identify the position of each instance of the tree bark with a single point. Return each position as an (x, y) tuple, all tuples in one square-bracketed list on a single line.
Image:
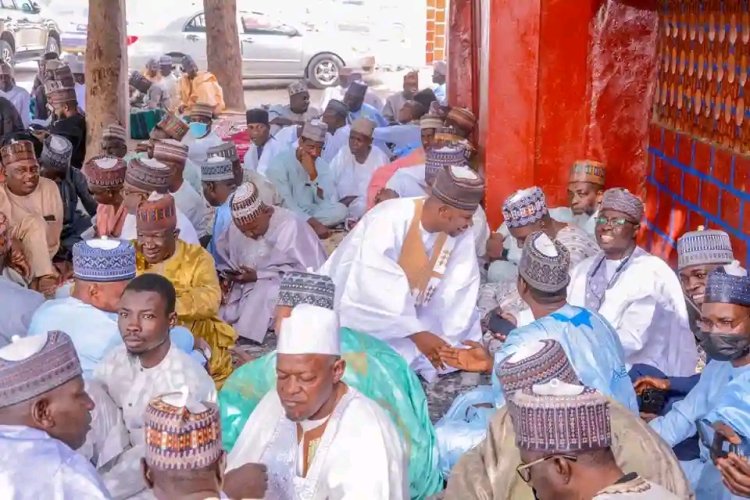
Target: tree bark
[(223, 50), (106, 71)]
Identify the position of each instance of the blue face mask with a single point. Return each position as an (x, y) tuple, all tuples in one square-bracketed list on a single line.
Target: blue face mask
[(198, 129)]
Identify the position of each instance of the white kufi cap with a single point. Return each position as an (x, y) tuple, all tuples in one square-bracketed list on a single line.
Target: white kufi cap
[(310, 330)]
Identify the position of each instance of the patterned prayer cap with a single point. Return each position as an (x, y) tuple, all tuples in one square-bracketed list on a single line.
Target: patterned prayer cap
[(729, 285), (557, 417), (181, 434), (62, 74), (462, 118), (21, 152), (704, 246), (440, 67), (337, 107), (525, 207), (460, 187), (315, 130), (295, 88), (173, 126), (535, 363), (622, 200), (202, 109), (103, 260), (246, 203), (139, 82), (32, 366), (588, 171), (148, 175), (306, 288), (226, 150), (57, 94), (105, 171), (438, 158), (544, 263), (114, 131), (357, 89), (170, 151), (217, 168), (256, 115), (156, 213), (364, 126), (56, 153), (430, 122)]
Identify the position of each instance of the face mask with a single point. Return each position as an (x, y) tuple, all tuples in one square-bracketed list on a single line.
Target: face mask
[(198, 129), (725, 347)]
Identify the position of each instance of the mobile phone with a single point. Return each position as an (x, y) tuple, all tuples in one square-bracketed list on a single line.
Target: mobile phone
[(721, 448), (652, 401), (500, 325)]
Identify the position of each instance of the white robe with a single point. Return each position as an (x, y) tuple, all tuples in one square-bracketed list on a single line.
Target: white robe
[(131, 387), (336, 142), (646, 307), (198, 148), (17, 309), (360, 455), (21, 100), (194, 207), (187, 231), (352, 178), (272, 148), (373, 295), (81, 96)]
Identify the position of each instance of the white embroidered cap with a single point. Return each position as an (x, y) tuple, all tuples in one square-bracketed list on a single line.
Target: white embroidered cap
[(310, 330)]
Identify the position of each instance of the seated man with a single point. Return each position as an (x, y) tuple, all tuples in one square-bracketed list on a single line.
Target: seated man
[(564, 436), (297, 112), (373, 368), (142, 178), (44, 415), (395, 102), (405, 136), (717, 397), (261, 245), (649, 316), (18, 96), (266, 188), (105, 176), (263, 146), (148, 94), (146, 366), (407, 273), (335, 116), (199, 86), (354, 166), (542, 281), (486, 470), (305, 181), (114, 141), (585, 190), (35, 211), (354, 98), (219, 184), (68, 120), (439, 81), (318, 445), (54, 164), (201, 136), (191, 270)]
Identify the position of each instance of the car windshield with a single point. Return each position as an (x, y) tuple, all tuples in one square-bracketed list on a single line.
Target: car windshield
[(257, 22)]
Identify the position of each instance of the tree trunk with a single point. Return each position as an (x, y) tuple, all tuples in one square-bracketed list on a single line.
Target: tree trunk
[(106, 71), (223, 50)]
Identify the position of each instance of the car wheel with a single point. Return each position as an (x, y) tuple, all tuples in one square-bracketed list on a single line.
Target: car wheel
[(324, 70), (52, 45), (6, 52)]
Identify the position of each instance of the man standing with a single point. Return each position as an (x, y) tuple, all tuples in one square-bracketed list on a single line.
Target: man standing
[(395, 102), (439, 72), (146, 366), (297, 112), (354, 166), (335, 116), (308, 431), (264, 147), (305, 182), (34, 208), (44, 415), (261, 245), (408, 272), (649, 316), (199, 86), (67, 120), (19, 96), (358, 108), (191, 270)]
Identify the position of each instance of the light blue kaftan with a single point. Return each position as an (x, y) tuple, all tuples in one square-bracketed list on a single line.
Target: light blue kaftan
[(593, 348), (721, 394), (369, 112), (35, 466), (302, 195), (222, 220)]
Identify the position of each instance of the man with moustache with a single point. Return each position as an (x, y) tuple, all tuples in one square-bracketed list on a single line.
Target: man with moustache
[(297, 112), (68, 120), (146, 366), (309, 432)]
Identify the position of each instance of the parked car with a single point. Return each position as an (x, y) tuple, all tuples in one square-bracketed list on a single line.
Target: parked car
[(72, 16), (270, 49), (24, 33)]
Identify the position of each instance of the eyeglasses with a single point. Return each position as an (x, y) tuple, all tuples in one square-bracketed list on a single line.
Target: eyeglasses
[(724, 325), (524, 470), (614, 221)]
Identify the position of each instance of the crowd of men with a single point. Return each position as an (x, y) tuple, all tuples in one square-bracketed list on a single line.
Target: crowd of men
[(349, 245)]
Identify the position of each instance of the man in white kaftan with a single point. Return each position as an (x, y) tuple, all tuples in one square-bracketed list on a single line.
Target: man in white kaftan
[(18, 96), (317, 449), (335, 116), (408, 273), (270, 241), (297, 112), (263, 146), (649, 315)]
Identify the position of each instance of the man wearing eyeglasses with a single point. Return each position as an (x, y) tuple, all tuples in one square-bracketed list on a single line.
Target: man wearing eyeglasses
[(635, 291)]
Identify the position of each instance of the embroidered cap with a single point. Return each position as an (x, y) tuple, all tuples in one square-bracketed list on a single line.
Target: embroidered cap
[(114, 132), (105, 171), (704, 246), (306, 288), (203, 110), (246, 203), (226, 150), (170, 151), (216, 168), (430, 122), (18, 152), (56, 153), (729, 285), (363, 126), (310, 329), (298, 87), (544, 263), (535, 363), (157, 213), (337, 107), (103, 260), (148, 175), (461, 118), (32, 366), (525, 207), (174, 127), (315, 130), (622, 200), (139, 82), (459, 187), (588, 171), (438, 158)]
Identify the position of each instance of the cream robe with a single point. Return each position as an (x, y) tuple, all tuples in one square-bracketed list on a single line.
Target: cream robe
[(360, 455), (131, 387), (646, 307), (373, 294), (194, 207), (289, 245), (352, 178)]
